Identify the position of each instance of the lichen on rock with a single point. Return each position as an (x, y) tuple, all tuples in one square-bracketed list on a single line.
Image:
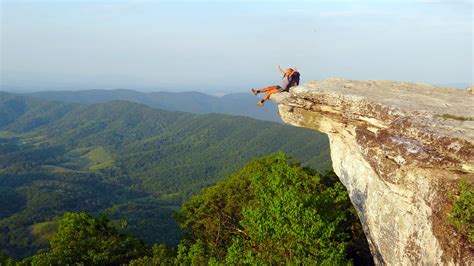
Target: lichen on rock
[(399, 152)]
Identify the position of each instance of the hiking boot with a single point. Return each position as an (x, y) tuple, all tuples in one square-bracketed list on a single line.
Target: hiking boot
[(260, 103), (254, 91)]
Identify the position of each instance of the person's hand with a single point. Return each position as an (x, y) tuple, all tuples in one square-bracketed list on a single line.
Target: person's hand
[(281, 70)]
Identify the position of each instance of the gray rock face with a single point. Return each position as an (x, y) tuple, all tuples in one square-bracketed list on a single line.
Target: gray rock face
[(400, 149)]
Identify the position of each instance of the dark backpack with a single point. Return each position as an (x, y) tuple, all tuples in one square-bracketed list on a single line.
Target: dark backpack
[(294, 79)]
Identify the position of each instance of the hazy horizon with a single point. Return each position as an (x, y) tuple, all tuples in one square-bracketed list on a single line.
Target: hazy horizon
[(217, 92), (219, 47)]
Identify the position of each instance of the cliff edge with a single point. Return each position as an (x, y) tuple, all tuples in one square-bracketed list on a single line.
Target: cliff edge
[(400, 149)]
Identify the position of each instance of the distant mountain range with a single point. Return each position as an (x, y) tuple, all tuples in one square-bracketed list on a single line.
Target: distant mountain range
[(242, 104)]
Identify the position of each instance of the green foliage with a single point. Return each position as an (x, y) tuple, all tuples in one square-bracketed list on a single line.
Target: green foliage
[(161, 256), (462, 213), (272, 211), (10, 201), (5, 260), (82, 238), (47, 196), (24, 113), (214, 215), (296, 219), (43, 231), (193, 253), (147, 219), (99, 158)]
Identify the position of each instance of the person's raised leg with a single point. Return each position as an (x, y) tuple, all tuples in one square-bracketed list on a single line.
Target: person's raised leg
[(255, 92), (270, 90)]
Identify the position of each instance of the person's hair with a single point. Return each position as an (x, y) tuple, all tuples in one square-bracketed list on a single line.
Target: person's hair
[(288, 70)]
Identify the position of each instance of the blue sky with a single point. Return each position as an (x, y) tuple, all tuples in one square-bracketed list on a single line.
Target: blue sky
[(230, 46)]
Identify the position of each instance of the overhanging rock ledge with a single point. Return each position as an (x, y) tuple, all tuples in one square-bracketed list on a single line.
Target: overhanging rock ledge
[(400, 149)]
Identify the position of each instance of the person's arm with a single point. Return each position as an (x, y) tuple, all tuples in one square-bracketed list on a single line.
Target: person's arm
[(281, 70)]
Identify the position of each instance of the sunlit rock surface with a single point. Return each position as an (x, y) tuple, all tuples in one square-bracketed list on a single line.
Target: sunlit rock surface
[(400, 149)]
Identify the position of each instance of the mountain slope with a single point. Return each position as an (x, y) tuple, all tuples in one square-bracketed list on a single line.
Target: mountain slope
[(123, 159), (193, 102), (179, 146), (29, 112)]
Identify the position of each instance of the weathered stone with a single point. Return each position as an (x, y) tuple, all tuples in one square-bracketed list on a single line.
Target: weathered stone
[(470, 89), (400, 149)]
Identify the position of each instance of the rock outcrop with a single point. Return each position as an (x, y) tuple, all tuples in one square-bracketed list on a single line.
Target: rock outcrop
[(400, 149), (470, 89)]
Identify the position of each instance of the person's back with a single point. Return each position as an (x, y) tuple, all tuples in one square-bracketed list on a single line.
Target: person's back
[(295, 79)]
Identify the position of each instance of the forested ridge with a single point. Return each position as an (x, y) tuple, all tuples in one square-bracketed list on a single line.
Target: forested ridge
[(122, 159)]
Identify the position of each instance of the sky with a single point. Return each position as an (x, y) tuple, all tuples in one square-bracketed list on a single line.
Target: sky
[(230, 46)]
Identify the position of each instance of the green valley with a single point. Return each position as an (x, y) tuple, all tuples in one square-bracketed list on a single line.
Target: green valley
[(271, 211), (126, 160)]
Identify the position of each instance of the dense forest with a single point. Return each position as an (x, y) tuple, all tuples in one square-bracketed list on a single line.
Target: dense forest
[(271, 211), (125, 160)]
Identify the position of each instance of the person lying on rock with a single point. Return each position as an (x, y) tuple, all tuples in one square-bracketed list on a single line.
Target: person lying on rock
[(291, 77)]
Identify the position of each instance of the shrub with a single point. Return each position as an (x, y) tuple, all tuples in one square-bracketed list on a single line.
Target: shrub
[(462, 213)]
